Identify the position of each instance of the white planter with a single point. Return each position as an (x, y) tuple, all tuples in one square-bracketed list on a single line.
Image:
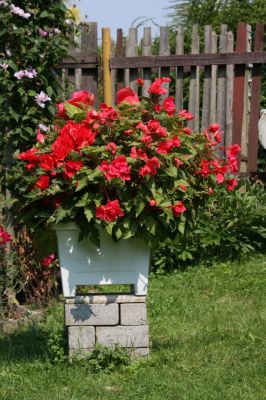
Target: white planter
[(82, 263)]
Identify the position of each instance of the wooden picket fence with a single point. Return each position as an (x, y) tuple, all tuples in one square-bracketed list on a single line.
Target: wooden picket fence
[(220, 82)]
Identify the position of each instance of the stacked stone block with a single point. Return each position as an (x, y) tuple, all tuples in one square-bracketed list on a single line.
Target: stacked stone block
[(108, 320)]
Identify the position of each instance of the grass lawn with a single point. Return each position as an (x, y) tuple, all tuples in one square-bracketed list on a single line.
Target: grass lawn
[(207, 330)]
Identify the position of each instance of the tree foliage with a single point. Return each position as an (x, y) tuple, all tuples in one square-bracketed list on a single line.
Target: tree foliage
[(216, 12)]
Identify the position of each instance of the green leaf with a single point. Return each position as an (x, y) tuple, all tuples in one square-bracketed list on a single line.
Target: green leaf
[(89, 214), (140, 205), (150, 225), (44, 14), (49, 91), (73, 111), (32, 93)]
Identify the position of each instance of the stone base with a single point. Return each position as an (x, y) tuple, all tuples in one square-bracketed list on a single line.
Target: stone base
[(108, 320)]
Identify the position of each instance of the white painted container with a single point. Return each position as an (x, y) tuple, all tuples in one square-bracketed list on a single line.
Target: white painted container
[(82, 263)]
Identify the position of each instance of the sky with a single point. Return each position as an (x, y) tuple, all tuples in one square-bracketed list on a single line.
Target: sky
[(121, 13)]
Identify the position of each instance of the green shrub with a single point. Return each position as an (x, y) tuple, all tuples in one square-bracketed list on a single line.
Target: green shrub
[(229, 226)]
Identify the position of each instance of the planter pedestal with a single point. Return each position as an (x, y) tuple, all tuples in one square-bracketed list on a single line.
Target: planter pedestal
[(108, 320)]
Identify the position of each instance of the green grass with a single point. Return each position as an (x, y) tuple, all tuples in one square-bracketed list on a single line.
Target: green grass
[(207, 329)]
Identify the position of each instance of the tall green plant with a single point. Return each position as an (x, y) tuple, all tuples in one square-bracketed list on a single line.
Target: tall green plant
[(33, 40), (216, 12), (34, 37)]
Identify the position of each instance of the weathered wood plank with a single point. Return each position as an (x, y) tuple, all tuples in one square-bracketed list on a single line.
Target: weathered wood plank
[(87, 78), (188, 60), (179, 70), (113, 77), (206, 102), (132, 51), (221, 86), (146, 51), (213, 81), (106, 54), (229, 92), (164, 50), (194, 85), (119, 53), (255, 104), (246, 113), (239, 85)]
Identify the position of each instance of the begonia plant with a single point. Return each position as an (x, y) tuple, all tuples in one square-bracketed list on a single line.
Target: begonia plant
[(135, 169)]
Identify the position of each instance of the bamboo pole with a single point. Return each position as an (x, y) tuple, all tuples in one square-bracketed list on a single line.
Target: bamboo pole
[(107, 85)]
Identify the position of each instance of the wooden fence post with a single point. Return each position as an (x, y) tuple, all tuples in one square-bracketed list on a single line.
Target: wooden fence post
[(179, 70), (107, 86), (194, 86), (239, 85), (255, 104), (206, 103), (119, 53), (146, 51)]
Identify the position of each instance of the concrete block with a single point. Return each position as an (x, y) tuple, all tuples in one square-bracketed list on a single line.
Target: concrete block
[(81, 337), (91, 314), (125, 336), (106, 298), (139, 352), (133, 314)]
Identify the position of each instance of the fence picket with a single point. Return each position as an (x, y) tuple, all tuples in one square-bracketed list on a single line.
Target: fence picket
[(146, 51), (164, 50), (205, 118), (213, 81), (221, 86), (132, 51), (119, 53), (179, 70), (229, 92), (255, 103), (194, 86)]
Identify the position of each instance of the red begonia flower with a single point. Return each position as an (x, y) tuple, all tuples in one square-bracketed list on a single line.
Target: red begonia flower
[(109, 212), (127, 95)]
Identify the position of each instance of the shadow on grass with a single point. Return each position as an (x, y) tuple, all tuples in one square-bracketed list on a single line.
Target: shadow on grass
[(164, 344), (30, 343)]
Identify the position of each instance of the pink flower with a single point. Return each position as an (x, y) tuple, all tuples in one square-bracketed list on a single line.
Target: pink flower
[(82, 97), (153, 203), (178, 208), (71, 167), (184, 114), (156, 87), (138, 153), (214, 128), (5, 237), (140, 81), (111, 147), (4, 66), (40, 136), (19, 74), (109, 212), (231, 184), (118, 168), (178, 162), (187, 130), (41, 99), (127, 95), (42, 183), (46, 261), (42, 32), (150, 168), (18, 11), (169, 105)]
